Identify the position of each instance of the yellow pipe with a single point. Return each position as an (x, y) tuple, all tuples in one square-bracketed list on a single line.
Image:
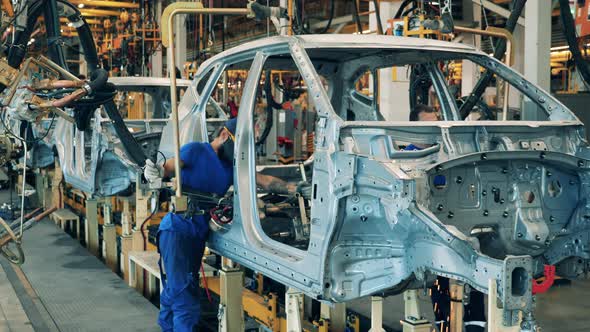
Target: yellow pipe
[(102, 3), (89, 21), (99, 12), (167, 22), (494, 32), (509, 58)]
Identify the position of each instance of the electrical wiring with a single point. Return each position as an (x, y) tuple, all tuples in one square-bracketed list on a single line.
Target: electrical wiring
[(7, 128)]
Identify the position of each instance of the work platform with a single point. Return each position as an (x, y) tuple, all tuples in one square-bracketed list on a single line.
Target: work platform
[(62, 287)]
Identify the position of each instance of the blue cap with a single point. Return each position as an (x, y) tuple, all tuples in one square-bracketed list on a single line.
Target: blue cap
[(231, 125)]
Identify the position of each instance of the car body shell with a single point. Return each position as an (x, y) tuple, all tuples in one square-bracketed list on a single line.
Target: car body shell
[(377, 221)]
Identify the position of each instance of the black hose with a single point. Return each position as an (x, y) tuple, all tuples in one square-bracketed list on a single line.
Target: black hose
[(298, 28), (270, 104), (569, 29), (356, 16), (54, 46), (329, 24), (18, 49), (17, 54), (130, 145), (420, 84), (377, 16), (409, 10), (98, 79), (487, 76), (403, 6), (86, 43)]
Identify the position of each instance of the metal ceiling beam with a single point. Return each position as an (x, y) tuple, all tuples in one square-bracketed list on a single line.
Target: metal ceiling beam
[(497, 9), (102, 3)]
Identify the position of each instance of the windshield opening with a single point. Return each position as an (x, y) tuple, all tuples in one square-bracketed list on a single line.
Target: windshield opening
[(388, 85)]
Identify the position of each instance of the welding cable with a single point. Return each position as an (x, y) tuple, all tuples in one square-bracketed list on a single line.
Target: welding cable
[(356, 16), (487, 76), (4, 27), (299, 28), (409, 10), (154, 200), (403, 6), (141, 228), (17, 50), (128, 141), (52, 28), (329, 24), (205, 284), (98, 80), (270, 106), (377, 16), (569, 29), (17, 53)]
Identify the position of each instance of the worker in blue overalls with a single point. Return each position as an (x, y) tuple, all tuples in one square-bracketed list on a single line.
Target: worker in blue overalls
[(206, 168)]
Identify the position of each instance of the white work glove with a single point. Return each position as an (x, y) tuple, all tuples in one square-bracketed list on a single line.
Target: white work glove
[(153, 172), (304, 189)]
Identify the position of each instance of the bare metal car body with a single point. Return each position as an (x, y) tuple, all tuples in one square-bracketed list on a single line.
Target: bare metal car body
[(94, 160), (377, 219)]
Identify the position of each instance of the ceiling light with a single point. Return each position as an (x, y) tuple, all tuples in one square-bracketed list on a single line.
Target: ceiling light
[(81, 5)]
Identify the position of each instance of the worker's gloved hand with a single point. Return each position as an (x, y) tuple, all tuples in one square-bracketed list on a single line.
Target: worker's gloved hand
[(152, 171), (304, 189)]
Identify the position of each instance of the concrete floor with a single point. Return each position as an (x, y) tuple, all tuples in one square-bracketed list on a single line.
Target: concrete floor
[(12, 315), (62, 287), (561, 309)]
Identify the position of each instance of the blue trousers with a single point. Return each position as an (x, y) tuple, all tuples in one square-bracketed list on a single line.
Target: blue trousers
[(180, 254)]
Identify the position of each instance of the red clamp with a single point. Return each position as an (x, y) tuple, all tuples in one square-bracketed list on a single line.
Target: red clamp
[(283, 140), (549, 273)]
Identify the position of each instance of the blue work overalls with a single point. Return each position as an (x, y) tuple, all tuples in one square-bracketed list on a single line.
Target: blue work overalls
[(181, 240)]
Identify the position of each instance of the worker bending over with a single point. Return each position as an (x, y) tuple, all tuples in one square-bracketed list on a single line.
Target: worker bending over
[(206, 168)]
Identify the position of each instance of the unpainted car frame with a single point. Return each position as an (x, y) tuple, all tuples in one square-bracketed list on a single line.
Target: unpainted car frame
[(378, 222), (94, 160)]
